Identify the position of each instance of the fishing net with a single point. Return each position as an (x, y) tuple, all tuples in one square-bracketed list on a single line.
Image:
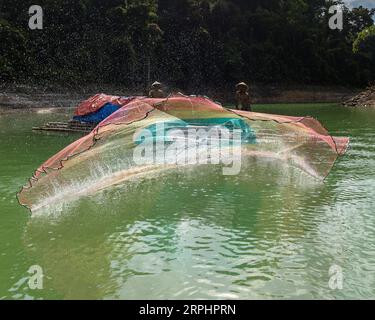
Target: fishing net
[(152, 135)]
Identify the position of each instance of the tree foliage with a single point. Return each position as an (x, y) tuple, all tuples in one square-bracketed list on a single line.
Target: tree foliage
[(365, 42), (191, 44)]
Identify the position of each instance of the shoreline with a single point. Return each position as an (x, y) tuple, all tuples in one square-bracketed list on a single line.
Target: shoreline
[(365, 98), (16, 97)]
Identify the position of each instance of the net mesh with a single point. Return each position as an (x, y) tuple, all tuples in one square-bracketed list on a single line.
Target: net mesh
[(105, 157)]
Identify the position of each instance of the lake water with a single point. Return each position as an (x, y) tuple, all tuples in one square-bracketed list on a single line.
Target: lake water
[(198, 235)]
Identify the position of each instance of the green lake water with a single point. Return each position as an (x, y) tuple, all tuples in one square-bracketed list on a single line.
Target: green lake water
[(198, 235)]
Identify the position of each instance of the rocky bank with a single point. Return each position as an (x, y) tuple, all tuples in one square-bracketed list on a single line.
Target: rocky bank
[(364, 99)]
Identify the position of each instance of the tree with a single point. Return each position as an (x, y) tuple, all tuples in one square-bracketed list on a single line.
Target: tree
[(191, 44), (12, 50), (365, 43)]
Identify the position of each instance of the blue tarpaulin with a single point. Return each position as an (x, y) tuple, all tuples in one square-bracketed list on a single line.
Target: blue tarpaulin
[(99, 115)]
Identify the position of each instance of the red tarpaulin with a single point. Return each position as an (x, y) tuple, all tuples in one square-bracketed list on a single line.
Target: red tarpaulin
[(96, 102)]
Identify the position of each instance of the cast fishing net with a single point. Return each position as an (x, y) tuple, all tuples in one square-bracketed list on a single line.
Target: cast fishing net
[(152, 135)]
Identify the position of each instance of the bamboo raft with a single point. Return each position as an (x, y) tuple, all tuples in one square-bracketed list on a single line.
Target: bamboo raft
[(68, 127)]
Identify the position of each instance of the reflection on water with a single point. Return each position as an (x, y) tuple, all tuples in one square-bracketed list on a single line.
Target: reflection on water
[(143, 234), (271, 232)]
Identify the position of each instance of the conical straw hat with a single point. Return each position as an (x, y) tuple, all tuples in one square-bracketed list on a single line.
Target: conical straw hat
[(156, 84), (242, 84)]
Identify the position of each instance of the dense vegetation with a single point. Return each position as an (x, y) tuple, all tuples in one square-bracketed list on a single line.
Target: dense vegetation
[(187, 43), (365, 43)]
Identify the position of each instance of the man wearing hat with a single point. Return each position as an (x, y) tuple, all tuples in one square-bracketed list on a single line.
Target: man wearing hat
[(243, 97), (156, 91)]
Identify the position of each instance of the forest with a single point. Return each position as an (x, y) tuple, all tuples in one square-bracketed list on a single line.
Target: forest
[(190, 44)]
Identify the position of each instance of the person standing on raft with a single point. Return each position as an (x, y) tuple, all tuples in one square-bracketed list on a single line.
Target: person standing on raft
[(156, 90), (243, 97)]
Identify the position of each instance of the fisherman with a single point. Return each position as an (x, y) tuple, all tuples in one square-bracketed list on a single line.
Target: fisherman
[(243, 97), (156, 90)]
